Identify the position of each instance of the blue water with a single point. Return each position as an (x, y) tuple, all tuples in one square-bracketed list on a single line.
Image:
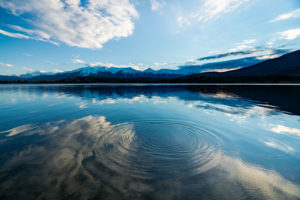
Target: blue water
[(149, 142)]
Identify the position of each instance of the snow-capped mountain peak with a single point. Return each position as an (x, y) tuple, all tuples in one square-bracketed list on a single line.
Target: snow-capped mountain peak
[(87, 71), (35, 73)]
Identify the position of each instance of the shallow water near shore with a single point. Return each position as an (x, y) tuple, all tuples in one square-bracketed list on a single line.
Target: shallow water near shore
[(149, 141)]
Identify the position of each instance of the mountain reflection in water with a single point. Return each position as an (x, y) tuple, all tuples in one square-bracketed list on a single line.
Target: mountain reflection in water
[(149, 142)]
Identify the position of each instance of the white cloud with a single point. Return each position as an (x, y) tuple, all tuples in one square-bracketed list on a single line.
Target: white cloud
[(88, 26), (6, 64), (221, 70), (279, 145), (104, 101), (157, 5), (285, 130), (250, 41), (59, 71), (181, 21), (285, 16), (157, 65), (27, 69), (255, 179), (109, 65), (30, 70), (15, 35), (62, 138), (139, 66), (290, 34), (78, 61), (160, 64), (245, 44), (269, 56), (211, 9), (82, 105), (17, 130)]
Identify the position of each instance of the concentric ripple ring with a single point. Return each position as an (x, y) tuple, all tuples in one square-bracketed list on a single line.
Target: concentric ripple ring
[(158, 149)]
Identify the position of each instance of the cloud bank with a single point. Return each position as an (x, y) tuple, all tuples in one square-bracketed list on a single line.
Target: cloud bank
[(70, 22)]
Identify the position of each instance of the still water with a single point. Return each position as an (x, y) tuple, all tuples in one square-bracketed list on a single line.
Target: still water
[(149, 142)]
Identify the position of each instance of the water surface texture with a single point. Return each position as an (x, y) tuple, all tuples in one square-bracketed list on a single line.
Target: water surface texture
[(149, 142)]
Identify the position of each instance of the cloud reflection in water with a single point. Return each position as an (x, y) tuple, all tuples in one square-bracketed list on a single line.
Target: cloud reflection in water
[(57, 160)]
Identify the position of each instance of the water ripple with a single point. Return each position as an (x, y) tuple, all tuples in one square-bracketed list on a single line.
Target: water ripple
[(159, 149)]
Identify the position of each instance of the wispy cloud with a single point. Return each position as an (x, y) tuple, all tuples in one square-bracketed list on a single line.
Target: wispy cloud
[(285, 16), (18, 130), (250, 41), (233, 53), (215, 9), (5, 64), (27, 69), (157, 4), (34, 34), (210, 10), (279, 145), (269, 53), (242, 48), (88, 26), (15, 35), (27, 54), (59, 71), (266, 57), (244, 45), (157, 65), (138, 66), (82, 105), (221, 70), (78, 61), (290, 34)]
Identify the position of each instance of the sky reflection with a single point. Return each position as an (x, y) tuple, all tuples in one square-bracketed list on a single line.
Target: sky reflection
[(62, 155), (131, 142)]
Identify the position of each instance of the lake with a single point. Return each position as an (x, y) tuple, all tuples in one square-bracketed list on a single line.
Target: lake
[(149, 141)]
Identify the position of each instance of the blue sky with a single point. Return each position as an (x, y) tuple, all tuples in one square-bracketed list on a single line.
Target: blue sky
[(59, 35)]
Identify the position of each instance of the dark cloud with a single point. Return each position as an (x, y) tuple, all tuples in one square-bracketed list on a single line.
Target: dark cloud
[(241, 53), (222, 55), (280, 51)]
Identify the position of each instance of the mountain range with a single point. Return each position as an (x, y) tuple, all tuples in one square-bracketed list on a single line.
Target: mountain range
[(286, 65)]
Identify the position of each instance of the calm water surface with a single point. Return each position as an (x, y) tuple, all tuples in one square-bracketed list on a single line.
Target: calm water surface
[(149, 142)]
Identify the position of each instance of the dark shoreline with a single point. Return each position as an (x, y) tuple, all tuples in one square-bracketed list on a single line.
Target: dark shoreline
[(164, 84), (180, 80)]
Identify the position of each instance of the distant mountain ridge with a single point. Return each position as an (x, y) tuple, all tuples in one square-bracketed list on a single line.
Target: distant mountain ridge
[(286, 66), (115, 72)]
